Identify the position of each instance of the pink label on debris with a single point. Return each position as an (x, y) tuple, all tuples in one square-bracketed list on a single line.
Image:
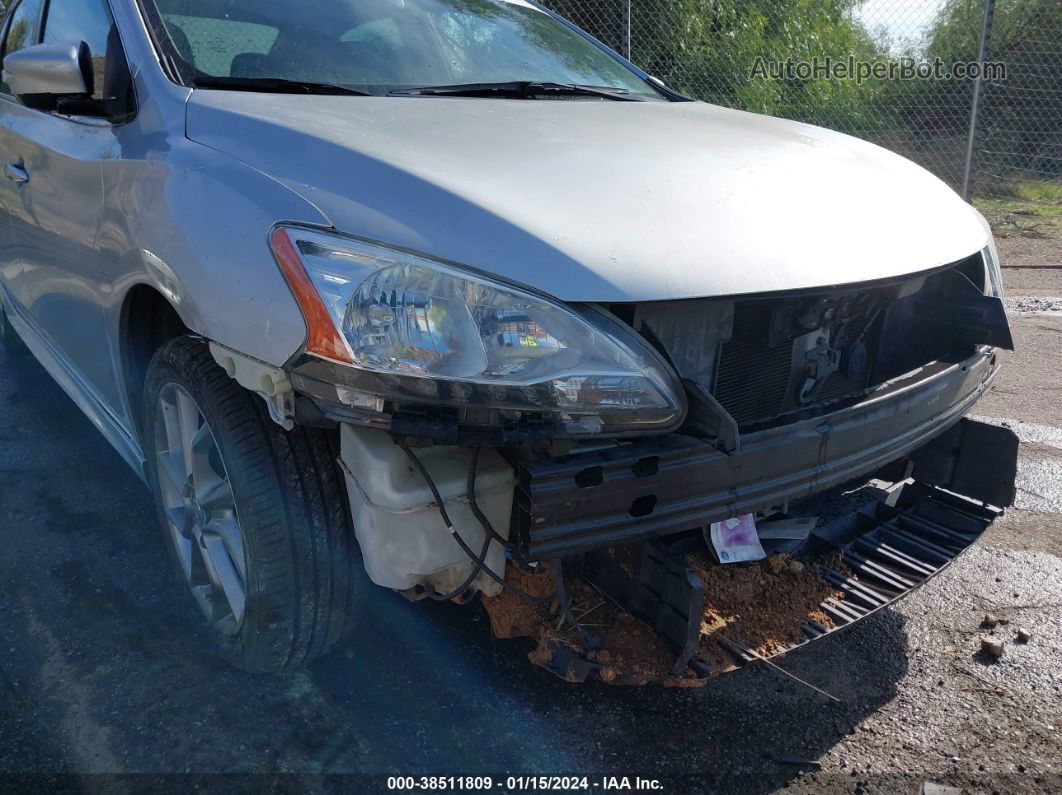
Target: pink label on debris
[(735, 540)]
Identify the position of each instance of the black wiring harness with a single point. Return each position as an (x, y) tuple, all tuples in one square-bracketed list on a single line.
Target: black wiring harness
[(490, 534)]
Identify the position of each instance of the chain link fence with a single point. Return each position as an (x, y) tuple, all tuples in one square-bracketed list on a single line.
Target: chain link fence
[(723, 51)]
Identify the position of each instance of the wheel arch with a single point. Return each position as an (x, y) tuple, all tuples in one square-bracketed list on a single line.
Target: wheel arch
[(148, 320)]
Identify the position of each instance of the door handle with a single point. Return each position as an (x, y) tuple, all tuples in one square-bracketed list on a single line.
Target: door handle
[(16, 173)]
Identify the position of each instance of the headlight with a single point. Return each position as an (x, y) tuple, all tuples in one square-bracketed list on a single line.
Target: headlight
[(993, 273), (441, 335)]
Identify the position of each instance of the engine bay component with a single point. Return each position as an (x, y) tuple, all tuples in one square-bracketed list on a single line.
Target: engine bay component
[(766, 359), (404, 540)]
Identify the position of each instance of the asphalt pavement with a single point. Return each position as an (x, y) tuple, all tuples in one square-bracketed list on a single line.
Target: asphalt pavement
[(101, 674)]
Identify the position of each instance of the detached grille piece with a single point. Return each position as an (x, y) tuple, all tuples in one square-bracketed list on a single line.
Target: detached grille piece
[(872, 559)]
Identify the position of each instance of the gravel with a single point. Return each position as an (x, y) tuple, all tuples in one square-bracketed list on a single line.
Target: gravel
[(1032, 305)]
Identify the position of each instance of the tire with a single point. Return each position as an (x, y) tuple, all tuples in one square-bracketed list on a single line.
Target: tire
[(304, 583), (9, 338)]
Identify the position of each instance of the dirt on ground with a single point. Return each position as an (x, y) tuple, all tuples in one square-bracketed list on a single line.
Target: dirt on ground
[(756, 606), (1028, 233), (631, 651), (760, 607), (513, 616)]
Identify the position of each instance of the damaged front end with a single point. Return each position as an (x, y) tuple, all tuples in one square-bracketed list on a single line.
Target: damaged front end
[(559, 481), (713, 619)]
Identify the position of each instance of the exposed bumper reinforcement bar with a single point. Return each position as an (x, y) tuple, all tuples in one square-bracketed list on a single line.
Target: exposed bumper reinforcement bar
[(655, 487)]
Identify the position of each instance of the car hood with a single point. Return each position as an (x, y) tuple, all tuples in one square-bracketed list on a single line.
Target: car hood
[(601, 201)]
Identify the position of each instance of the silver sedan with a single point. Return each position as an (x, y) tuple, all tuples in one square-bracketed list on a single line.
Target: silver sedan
[(342, 281)]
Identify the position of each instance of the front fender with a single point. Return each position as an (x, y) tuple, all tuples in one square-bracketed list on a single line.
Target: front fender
[(194, 226)]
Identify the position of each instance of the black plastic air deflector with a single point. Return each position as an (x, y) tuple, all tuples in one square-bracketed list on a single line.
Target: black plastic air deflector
[(974, 459), (656, 586), (888, 550)]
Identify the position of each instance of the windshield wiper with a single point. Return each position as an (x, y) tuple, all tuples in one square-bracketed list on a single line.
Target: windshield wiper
[(520, 89), (275, 85)]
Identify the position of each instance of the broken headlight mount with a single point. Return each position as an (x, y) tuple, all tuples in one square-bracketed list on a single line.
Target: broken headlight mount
[(429, 350)]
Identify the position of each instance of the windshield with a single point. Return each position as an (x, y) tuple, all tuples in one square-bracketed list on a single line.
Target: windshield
[(382, 45)]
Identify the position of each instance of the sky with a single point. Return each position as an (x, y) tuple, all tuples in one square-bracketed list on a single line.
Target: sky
[(904, 21)]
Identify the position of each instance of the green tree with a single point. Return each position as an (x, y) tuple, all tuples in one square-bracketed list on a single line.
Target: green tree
[(708, 49), (1020, 125)]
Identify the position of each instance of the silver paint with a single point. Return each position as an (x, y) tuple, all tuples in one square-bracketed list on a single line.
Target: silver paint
[(45, 69), (602, 201), (201, 519), (587, 201)]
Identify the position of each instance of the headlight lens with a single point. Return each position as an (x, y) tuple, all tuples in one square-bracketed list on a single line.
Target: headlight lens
[(448, 336), (993, 273)]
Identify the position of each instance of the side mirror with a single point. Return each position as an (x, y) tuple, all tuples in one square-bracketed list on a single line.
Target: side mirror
[(44, 74)]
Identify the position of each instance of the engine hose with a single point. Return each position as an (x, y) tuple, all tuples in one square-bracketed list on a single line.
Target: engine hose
[(479, 561)]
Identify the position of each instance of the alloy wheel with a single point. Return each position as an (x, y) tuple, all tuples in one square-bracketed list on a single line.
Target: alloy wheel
[(200, 510)]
